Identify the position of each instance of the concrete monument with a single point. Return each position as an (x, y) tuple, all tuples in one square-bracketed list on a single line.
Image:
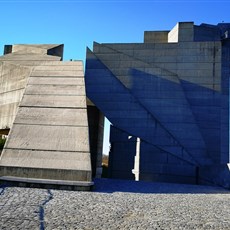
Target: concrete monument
[(172, 92), (43, 103), (167, 99)]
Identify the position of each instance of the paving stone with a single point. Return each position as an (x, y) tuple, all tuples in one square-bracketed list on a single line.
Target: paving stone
[(117, 204)]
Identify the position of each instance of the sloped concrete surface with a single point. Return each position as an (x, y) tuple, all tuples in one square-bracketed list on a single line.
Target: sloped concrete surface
[(48, 142), (116, 204)]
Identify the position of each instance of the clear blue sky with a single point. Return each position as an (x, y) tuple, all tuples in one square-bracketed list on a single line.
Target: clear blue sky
[(77, 24)]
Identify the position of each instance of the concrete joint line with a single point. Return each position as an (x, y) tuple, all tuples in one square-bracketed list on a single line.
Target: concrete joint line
[(49, 150), (50, 107), (12, 90), (74, 76), (15, 123), (43, 94)]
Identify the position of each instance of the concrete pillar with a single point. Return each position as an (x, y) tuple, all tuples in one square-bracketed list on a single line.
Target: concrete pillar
[(100, 146), (136, 170)]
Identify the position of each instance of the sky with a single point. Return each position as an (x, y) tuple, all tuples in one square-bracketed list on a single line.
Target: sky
[(77, 23)]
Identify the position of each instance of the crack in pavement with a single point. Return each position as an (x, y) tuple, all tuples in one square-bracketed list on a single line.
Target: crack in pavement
[(3, 187), (41, 209)]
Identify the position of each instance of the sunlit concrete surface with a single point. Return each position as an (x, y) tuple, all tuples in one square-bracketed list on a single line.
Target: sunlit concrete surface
[(43, 102)]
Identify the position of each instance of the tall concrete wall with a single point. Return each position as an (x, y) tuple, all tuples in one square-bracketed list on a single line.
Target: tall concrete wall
[(172, 94)]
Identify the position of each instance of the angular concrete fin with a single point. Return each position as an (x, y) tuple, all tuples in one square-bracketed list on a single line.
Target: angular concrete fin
[(204, 105), (123, 74), (120, 106), (147, 96), (120, 63), (164, 99)]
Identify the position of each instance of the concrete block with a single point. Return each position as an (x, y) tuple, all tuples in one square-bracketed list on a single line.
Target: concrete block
[(55, 138), (55, 81), (155, 36), (46, 159), (30, 174), (68, 73), (54, 101), (64, 90), (75, 63), (29, 57), (28, 49), (51, 116), (63, 66)]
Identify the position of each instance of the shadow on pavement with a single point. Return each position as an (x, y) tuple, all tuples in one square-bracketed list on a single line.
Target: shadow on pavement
[(113, 185)]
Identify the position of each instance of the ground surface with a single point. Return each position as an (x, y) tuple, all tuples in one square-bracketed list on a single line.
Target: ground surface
[(116, 205)]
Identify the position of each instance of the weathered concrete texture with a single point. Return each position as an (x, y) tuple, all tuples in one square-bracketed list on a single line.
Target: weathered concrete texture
[(54, 101), (49, 139), (16, 66), (172, 93), (12, 84), (156, 36)]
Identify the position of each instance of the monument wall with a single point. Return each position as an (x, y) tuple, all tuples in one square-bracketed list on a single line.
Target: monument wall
[(172, 92), (48, 142)]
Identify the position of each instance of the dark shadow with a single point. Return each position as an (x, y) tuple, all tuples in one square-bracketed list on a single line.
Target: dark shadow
[(129, 186), (179, 117)]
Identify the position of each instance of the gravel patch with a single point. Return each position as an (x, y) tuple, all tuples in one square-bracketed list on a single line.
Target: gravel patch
[(116, 204)]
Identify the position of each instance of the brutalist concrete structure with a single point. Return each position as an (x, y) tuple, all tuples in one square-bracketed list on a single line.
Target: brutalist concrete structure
[(167, 100), (172, 92), (43, 103)]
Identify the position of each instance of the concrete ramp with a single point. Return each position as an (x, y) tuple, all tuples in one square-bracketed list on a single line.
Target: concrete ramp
[(49, 141)]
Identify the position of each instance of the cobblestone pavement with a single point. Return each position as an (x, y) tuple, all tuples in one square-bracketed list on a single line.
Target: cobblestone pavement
[(116, 204)]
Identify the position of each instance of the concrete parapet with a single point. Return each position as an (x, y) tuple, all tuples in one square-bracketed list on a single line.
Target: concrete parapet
[(156, 36)]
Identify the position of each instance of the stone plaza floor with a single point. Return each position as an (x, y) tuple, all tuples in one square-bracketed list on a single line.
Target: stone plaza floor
[(116, 204)]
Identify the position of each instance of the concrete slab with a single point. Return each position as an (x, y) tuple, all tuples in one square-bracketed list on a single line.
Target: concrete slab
[(46, 159), (49, 140), (71, 73), (56, 81), (54, 101), (39, 116), (48, 137), (83, 184), (48, 89)]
